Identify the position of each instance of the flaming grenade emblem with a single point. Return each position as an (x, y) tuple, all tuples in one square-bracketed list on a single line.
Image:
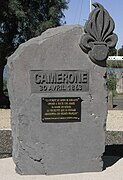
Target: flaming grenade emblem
[(99, 36)]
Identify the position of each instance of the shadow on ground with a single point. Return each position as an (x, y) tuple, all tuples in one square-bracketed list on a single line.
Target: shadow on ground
[(112, 154), (4, 102), (118, 103)]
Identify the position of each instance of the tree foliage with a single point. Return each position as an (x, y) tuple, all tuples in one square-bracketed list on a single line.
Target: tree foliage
[(111, 82), (115, 63), (112, 52), (21, 20), (120, 51)]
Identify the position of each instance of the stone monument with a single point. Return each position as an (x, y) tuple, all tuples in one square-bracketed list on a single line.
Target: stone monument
[(58, 94)]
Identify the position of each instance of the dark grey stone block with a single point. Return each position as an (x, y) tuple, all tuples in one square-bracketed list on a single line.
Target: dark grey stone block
[(64, 147)]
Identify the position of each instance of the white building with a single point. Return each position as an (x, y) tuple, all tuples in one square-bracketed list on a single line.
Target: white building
[(118, 58)]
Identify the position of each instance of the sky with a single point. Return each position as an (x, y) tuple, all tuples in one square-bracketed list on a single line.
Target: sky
[(79, 10)]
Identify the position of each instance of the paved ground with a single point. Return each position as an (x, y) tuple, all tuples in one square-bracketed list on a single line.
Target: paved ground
[(115, 120), (5, 119), (114, 172)]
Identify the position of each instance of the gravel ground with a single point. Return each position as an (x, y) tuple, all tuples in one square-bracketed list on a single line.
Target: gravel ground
[(114, 143), (114, 137), (5, 143)]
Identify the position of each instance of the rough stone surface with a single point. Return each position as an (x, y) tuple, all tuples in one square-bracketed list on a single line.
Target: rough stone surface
[(56, 148)]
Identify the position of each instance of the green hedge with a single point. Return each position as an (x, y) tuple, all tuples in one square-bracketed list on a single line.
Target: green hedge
[(115, 64)]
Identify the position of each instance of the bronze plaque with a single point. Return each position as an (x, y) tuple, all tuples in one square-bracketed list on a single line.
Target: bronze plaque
[(43, 81), (60, 109)]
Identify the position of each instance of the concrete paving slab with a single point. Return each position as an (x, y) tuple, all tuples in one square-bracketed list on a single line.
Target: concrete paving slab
[(114, 120), (114, 172), (5, 119)]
